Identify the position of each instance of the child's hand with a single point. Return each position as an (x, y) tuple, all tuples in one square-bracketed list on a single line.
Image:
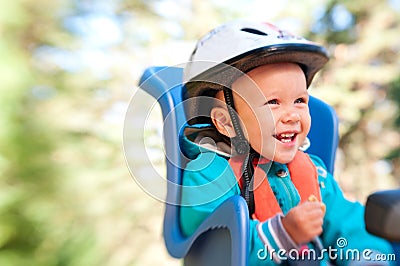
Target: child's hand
[(304, 222)]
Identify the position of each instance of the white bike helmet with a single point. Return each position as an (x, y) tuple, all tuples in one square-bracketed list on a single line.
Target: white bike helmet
[(230, 50)]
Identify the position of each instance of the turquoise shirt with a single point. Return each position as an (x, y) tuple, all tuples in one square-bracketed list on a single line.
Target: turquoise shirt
[(208, 180)]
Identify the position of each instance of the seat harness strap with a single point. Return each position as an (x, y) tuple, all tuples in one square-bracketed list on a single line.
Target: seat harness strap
[(303, 174)]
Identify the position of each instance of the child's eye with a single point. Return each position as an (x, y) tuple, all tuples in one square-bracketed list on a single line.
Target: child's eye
[(300, 100), (274, 101)]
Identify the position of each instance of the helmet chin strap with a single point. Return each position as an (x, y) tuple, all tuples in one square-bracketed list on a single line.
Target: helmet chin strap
[(242, 146), (239, 142)]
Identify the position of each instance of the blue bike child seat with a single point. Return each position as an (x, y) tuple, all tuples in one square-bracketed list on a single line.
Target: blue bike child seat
[(222, 239)]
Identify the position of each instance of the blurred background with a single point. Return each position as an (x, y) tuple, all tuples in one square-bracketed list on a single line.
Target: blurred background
[(69, 68)]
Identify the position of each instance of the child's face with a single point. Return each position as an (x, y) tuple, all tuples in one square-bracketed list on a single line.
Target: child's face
[(275, 117)]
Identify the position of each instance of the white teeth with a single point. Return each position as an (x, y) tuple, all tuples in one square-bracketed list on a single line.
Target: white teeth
[(285, 137), (289, 135)]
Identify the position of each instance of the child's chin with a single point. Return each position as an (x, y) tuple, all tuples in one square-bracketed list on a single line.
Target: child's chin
[(284, 158)]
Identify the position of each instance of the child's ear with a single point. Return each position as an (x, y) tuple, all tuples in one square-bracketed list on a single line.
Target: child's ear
[(222, 121)]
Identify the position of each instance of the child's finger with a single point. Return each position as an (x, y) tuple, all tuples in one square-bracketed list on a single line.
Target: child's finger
[(323, 207), (313, 198)]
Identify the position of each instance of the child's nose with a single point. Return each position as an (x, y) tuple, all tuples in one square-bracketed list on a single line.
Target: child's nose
[(291, 116)]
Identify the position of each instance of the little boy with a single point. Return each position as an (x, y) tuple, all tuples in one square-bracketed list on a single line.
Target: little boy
[(247, 101)]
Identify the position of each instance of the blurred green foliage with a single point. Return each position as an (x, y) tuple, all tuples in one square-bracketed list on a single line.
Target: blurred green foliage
[(67, 198), (32, 225)]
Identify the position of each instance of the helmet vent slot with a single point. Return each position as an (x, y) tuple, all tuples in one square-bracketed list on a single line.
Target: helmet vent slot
[(254, 31)]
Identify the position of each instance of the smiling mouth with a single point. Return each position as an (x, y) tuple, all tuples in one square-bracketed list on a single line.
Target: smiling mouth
[(285, 137)]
